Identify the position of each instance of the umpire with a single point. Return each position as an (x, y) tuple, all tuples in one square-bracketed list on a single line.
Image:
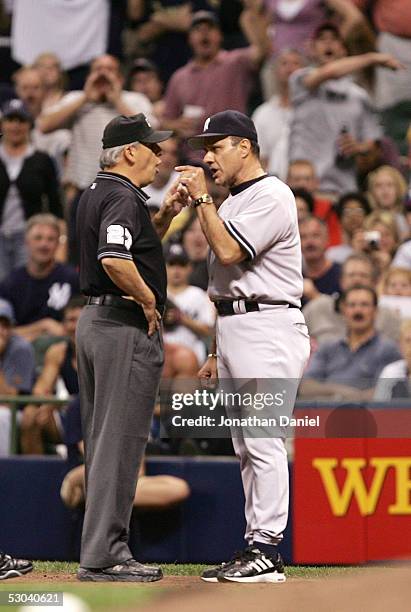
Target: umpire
[(119, 344)]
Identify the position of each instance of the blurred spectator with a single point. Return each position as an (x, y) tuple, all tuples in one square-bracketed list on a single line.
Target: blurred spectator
[(397, 282), (294, 23), (87, 112), (214, 79), (41, 424), (323, 315), (351, 208), (320, 274), (191, 315), (387, 189), (301, 175), (156, 28), (347, 369), (52, 76), (394, 380), (305, 204), (332, 119), (392, 20), (144, 78), (31, 90), (40, 290), (272, 118), (28, 185), (380, 239), (16, 370), (196, 247)]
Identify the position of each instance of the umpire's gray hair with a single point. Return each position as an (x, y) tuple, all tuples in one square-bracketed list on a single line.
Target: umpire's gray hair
[(110, 157)]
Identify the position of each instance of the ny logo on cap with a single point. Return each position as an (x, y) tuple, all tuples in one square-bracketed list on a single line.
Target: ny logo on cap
[(206, 124)]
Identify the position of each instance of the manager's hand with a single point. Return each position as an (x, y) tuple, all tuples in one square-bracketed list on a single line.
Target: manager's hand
[(208, 373)]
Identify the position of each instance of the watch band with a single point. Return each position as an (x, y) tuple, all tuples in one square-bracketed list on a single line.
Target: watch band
[(203, 199)]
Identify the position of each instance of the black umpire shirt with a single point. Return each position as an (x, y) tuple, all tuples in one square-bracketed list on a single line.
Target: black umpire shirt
[(113, 221)]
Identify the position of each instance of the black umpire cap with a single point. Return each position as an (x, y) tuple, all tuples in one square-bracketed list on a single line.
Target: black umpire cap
[(124, 130), (221, 125)]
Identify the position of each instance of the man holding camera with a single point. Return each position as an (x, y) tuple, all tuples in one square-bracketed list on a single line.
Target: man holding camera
[(86, 113)]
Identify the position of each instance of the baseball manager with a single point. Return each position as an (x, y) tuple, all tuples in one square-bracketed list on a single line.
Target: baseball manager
[(119, 344), (255, 282)]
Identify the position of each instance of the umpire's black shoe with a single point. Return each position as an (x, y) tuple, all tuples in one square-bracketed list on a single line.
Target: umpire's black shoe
[(255, 566), (128, 571), (13, 568), (211, 575)]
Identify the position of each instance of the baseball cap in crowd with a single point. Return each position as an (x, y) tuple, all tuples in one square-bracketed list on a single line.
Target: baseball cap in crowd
[(176, 255), (6, 311), (124, 130), (16, 108), (221, 125), (204, 17), (143, 65)]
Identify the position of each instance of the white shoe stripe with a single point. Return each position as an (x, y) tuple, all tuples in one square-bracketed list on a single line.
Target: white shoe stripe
[(256, 566), (261, 563)]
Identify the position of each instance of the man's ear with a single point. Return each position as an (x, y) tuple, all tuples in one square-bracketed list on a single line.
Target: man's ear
[(245, 147), (130, 154)]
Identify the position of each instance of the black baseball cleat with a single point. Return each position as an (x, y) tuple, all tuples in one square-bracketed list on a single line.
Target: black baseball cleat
[(254, 566), (211, 575), (128, 571), (13, 568)]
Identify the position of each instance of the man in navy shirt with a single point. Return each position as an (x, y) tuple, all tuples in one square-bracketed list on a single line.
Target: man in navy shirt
[(40, 290)]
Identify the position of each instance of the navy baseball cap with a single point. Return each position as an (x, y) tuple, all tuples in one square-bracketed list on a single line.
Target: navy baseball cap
[(16, 108), (124, 130), (221, 125)]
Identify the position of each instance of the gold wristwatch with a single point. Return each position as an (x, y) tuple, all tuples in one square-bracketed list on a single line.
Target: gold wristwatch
[(203, 199)]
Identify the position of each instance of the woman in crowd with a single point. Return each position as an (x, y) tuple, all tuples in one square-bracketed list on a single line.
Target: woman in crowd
[(352, 209), (387, 189), (28, 185)]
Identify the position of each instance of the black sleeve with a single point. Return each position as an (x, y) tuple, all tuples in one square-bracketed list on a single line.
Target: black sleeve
[(120, 226)]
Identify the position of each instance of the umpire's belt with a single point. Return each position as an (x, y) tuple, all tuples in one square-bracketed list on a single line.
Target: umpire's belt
[(118, 302), (227, 307)]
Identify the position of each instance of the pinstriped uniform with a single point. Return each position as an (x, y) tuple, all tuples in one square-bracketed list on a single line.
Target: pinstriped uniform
[(272, 343)]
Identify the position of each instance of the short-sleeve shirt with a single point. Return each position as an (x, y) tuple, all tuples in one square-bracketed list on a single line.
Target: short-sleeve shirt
[(17, 364), (113, 221), (87, 126), (261, 215), (38, 298), (336, 362), (319, 115)]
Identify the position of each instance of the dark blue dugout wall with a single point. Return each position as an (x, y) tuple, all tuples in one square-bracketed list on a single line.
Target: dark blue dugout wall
[(208, 527)]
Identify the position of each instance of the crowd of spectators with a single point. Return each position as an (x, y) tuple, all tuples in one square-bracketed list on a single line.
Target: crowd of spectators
[(328, 84)]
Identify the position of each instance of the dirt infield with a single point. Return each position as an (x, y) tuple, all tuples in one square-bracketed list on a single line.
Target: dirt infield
[(376, 589), (387, 590)]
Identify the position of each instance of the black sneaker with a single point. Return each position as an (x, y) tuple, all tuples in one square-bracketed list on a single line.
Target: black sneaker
[(128, 571), (255, 566), (13, 568), (211, 575)]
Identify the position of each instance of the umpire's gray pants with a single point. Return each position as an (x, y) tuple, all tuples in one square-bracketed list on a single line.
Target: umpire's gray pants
[(119, 370)]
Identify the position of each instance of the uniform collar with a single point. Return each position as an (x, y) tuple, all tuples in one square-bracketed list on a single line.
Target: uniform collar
[(239, 188), (120, 178)]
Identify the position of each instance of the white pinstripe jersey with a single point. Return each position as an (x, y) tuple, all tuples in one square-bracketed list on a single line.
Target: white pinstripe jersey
[(263, 219)]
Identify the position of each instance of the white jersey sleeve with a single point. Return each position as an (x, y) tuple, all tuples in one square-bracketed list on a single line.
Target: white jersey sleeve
[(265, 221)]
